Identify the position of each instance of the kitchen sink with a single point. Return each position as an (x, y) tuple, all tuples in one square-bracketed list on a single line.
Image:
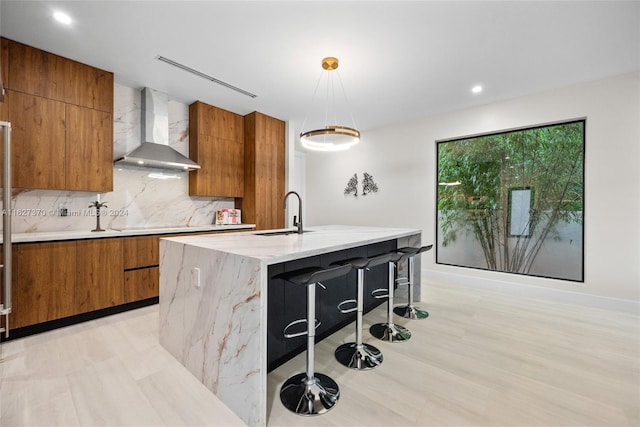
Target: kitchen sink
[(281, 232)]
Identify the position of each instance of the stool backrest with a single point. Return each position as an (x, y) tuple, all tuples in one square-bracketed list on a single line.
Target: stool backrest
[(329, 273), (378, 259)]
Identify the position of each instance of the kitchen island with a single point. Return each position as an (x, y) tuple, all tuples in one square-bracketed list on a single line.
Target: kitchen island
[(214, 302)]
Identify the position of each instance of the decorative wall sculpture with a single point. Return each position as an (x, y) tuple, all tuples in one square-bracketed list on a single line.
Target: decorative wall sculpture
[(368, 185), (513, 201)]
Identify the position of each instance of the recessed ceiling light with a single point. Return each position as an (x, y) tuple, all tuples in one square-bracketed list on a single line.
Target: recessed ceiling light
[(62, 17), (476, 89)]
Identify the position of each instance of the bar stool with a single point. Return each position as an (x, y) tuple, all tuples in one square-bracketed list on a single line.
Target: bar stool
[(410, 311), (310, 393), (357, 355), (389, 331)]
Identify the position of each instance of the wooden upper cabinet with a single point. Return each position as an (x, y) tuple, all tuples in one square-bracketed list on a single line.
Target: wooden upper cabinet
[(264, 171), (35, 72), (44, 281), (88, 86), (38, 141), (99, 275), (45, 74), (61, 113), (89, 149), (216, 143)]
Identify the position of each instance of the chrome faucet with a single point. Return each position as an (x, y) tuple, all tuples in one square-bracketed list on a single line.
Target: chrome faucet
[(296, 223)]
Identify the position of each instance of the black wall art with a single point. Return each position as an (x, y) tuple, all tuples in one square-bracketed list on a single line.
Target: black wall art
[(513, 201), (368, 186)]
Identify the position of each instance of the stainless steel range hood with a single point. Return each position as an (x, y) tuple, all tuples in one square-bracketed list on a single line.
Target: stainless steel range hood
[(155, 151)]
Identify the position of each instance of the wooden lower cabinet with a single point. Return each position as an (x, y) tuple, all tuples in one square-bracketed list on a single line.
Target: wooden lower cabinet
[(142, 274), (141, 251), (44, 282), (141, 284), (54, 280), (99, 275)]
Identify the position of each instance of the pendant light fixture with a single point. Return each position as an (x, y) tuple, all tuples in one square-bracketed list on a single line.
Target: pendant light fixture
[(331, 137)]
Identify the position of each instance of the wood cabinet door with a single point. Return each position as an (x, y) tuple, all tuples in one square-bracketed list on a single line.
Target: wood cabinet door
[(216, 143), (38, 141), (35, 72), (222, 173), (43, 282), (141, 284), (264, 171), (141, 251), (88, 86), (89, 150), (269, 172), (100, 274)]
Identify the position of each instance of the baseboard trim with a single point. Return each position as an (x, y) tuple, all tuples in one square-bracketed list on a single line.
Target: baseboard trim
[(531, 291), (78, 318)]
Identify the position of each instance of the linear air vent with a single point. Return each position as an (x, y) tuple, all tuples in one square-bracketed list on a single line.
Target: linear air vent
[(205, 76)]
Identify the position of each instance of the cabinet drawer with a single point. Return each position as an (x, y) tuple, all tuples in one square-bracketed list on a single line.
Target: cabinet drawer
[(141, 251), (141, 284)]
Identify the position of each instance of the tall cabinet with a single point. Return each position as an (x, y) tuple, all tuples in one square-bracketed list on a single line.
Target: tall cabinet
[(264, 171), (241, 157)]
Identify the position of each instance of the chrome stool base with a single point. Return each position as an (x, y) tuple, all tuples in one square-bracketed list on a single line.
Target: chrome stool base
[(309, 398), (359, 357), (390, 333), (411, 312)]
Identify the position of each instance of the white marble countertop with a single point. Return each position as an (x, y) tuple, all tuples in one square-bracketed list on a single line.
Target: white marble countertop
[(277, 248), (48, 236), (213, 302)]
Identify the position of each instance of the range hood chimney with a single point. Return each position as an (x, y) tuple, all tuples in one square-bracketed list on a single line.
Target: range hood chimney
[(155, 151)]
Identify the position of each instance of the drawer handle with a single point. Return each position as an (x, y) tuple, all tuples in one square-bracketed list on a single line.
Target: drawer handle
[(380, 293), (343, 310), (297, 334)]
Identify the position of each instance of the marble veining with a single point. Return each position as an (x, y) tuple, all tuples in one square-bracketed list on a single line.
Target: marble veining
[(214, 330), (217, 327)]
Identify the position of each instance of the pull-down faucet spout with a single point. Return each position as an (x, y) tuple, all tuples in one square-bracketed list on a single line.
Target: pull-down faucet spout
[(284, 205)]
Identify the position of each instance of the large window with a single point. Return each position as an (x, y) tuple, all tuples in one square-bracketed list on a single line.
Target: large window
[(514, 201)]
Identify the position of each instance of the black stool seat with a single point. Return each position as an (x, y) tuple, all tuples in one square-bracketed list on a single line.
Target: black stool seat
[(310, 393), (414, 251), (362, 262), (410, 311), (308, 275)]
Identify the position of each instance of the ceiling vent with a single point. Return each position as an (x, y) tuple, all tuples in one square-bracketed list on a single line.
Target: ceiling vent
[(205, 76)]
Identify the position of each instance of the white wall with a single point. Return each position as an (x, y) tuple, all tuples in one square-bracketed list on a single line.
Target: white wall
[(402, 161)]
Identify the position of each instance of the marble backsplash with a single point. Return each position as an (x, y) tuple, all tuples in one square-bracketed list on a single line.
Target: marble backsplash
[(139, 198)]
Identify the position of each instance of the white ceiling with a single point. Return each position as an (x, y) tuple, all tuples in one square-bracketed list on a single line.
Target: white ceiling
[(398, 60)]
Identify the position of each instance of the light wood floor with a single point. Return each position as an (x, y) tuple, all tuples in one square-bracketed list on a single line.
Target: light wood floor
[(480, 359)]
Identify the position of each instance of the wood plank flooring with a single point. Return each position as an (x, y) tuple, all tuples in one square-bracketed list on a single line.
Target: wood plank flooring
[(480, 359)]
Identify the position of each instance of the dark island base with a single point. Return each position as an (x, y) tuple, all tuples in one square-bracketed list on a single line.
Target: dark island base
[(286, 302)]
